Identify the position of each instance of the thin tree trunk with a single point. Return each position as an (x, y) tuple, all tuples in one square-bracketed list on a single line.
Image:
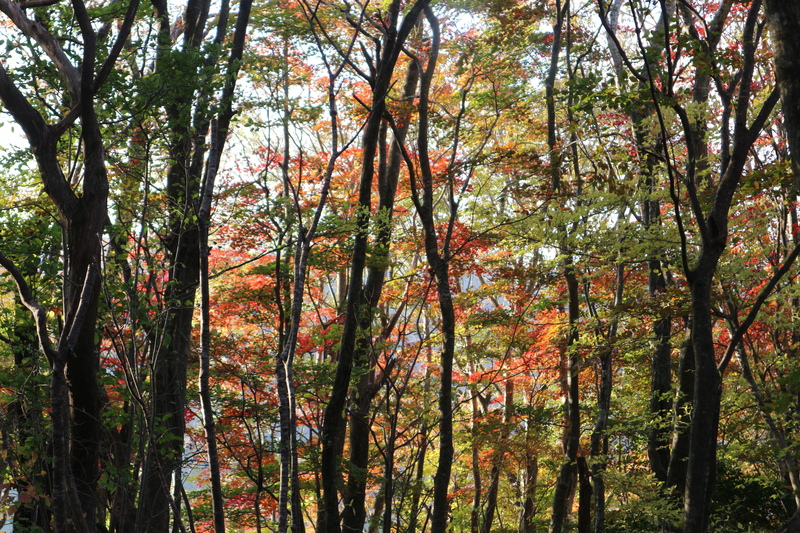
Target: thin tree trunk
[(599, 440), (569, 470), (783, 19), (497, 461), (439, 263), (354, 513), (528, 511), (219, 133), (682, 419), (567, 475), (355, 297), (477, 489)]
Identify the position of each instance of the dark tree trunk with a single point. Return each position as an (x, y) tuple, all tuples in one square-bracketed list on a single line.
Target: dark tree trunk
[(783, 18), (661, 394), (682, 419), (354, 514), (477, 482), (568, 473), (439, 263), (499, 455), (701, 465), (528, 511), (188, 121), (701, 469), (166, 424), (599, 443), (357, 300), (76, 398)]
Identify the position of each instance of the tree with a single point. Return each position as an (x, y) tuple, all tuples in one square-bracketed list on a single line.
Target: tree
[(395, 36), (76, 400)]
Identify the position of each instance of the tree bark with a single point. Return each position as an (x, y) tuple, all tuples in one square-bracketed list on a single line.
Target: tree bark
[(499, 455), (783, 19), (166, 424), (599, 441), (681, 424), (567, 475), (439, 263), (701, 465)]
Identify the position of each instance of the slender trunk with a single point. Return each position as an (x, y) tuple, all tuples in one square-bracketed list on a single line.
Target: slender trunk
[(567, 475), (599, 440), (477, 489), (439, 263), (393, 43), (569, 469), (166, 424), (441, 480), (681, 422), (417, 487), (209, 424), (528, 511), (783, 18), (499, 455)]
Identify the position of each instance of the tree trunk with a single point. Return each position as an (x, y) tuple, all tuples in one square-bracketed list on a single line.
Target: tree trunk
[(528, 510), (166, 424), (567, 475), (499, 455), (783, 19), (682, 419), (76, 398), (477, 488), (705, 413), (354, 514), (393, 43), (439, 263)]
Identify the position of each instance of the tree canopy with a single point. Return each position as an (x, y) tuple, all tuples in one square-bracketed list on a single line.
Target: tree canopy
[(401, 267)]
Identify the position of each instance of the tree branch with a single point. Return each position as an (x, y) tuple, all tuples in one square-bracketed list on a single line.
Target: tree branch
[(751, 316), (36, 31), (70, 335), (39, 313)]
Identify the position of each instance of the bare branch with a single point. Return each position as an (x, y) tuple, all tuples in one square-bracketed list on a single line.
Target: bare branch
[(37, 31), (38, 3), (70, 335), (39, 313), (122, 37)]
